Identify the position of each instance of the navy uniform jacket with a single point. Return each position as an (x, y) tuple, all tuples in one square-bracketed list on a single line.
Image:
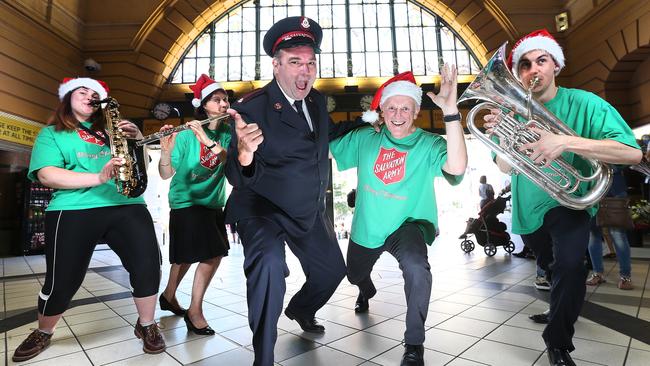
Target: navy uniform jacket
[(289, 175)]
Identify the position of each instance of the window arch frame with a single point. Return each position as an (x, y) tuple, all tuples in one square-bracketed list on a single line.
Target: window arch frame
[(473, 61)]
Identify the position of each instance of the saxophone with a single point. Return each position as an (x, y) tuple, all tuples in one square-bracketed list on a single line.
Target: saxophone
[(131, 177)]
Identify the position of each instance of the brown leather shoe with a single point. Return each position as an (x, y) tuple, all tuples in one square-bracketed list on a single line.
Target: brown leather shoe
[(34, 344), (152, 340)]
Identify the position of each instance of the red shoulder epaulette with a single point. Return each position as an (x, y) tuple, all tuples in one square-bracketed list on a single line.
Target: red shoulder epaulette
[(251, 95)]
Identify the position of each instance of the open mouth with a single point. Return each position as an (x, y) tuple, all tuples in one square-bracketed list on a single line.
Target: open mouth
[(301, 85), (397, 123)]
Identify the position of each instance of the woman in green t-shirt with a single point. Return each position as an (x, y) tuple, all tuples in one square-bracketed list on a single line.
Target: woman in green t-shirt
[(194, 158), (72, 155)]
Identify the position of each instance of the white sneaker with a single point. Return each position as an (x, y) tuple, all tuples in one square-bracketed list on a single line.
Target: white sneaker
[(542, 284)]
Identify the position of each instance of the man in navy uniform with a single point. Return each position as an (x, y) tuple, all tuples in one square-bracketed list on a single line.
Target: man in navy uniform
[(278, 166)]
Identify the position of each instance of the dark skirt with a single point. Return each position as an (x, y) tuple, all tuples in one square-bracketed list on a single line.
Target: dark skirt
[(197, 233)]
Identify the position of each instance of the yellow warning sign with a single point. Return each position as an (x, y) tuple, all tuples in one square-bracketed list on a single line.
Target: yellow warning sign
[(17, 129)]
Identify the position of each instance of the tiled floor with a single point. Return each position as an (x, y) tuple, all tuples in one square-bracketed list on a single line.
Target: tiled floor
[(478, 315)]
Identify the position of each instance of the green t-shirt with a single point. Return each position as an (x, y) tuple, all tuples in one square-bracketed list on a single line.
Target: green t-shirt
[(395, 181), (77, 151), (199, 178), (590, 117)]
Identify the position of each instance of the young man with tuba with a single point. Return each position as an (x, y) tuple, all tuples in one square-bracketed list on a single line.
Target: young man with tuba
[(540, 219)]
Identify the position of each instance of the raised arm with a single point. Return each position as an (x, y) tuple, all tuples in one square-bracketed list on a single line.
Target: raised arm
[(447, 100)]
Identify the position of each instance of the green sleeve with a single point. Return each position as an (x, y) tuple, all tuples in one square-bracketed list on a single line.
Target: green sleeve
[(608, 124), (46, 152), (438, 154), (345, 150)]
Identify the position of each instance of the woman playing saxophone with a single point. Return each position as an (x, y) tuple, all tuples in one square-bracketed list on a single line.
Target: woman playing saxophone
[(71, 155)]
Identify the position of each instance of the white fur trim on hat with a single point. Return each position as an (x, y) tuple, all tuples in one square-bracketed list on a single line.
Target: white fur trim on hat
[(205, 92), (402, 87), (538, 43), (89, 83), (370, 116)]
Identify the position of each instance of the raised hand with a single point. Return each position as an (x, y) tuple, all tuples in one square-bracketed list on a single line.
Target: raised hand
[(249, 137), (447, 97), (196, 127), (130, 130), (167, 142)]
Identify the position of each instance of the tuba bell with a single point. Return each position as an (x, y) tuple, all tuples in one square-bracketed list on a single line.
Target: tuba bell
[(499, 89)]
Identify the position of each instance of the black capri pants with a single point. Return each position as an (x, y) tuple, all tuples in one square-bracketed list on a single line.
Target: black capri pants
[(70, 238)]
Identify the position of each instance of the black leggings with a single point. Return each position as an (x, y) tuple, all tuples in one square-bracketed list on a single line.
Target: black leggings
[(70, 238)]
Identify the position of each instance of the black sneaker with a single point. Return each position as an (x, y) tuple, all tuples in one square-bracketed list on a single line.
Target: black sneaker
[(541, 318)]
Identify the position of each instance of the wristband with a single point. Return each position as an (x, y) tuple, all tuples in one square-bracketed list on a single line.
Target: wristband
[(451, 117), (212, 146)]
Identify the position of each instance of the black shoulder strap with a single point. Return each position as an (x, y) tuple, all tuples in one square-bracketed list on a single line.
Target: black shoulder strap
[(102, 137)]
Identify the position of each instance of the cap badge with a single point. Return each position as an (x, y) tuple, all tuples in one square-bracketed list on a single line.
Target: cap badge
[(304, 23)]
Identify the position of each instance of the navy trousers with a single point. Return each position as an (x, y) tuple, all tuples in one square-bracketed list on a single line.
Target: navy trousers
[(265, 268), (566, 233), (407, 245)]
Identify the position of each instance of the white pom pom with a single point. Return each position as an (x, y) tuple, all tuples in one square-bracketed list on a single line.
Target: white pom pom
[(370, 116), (196, 102)]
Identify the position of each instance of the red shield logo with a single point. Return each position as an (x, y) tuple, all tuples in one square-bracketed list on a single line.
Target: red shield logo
[(207, 158), (390, 165), (89, 138)]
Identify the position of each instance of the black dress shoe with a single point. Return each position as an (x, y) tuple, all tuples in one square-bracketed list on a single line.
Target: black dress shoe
[(166, 305), (413, 355), (539, 318), (307, 325), (361, 306), (559, 357), (200, 331)]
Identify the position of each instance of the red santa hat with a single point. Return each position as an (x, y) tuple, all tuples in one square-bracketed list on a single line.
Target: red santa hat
[(400, 84), (70, 84), (204, 86), (540, 39)]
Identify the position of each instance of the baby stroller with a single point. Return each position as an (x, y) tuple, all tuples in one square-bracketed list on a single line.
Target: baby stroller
[(490, 233)]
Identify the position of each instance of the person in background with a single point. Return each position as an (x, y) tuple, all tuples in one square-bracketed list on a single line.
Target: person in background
[(395, 171), (619, 237), (194, 159), (485, 191), (543, 223), (72, 155)]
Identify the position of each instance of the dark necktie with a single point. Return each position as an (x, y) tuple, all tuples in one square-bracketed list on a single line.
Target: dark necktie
[(301, 113)]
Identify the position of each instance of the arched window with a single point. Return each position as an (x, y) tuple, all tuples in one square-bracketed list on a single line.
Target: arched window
[(361, 38)]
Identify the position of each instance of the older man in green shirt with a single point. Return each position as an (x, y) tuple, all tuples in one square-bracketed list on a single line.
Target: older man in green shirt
[(395, 170)]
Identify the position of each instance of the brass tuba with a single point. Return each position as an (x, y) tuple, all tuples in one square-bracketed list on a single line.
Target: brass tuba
[(130, 178), (499, 89)]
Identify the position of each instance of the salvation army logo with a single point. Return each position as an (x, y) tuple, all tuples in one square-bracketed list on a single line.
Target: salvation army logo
[(207, 158), (390, 165), (90, 138)]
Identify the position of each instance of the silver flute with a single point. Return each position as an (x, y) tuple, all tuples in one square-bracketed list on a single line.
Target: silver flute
[(158, 135)]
